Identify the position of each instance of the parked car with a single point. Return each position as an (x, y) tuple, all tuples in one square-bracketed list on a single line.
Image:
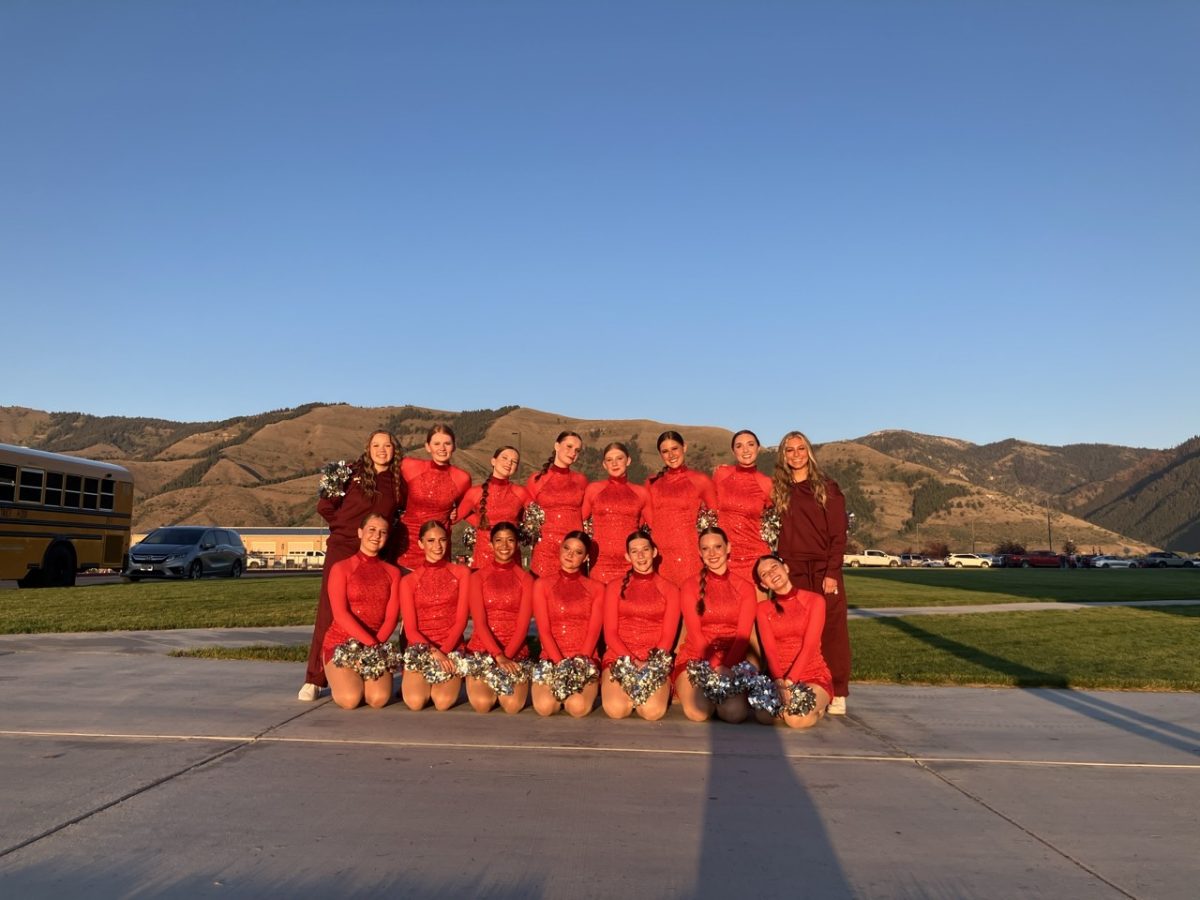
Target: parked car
[(967, 560), (187, 551), (1166, 559), (933, 564), (911, 559), (258, 561), (870, 558), (1114, 562), (1035, 558)]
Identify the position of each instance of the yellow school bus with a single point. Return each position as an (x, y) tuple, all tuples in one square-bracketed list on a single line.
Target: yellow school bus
[(59, 515)]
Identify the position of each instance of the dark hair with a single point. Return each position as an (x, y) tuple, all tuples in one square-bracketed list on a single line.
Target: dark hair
[(614, 445), (666, 436), (562, 436), (640, 535), (440, 428), (581, 536), (758, 581), (737, 434), (483, 488), (711, 529), (374, 515), (429, 526), (504, 526)]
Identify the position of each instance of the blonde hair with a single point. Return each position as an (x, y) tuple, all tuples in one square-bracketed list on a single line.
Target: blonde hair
[(781, 479)]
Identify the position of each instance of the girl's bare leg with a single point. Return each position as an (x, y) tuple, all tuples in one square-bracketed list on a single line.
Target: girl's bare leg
[(345, 685), (515, 702), (656, 707), (582, 703), (616, 702), (481, 697), (414, 690), (446, 693), (544, 701), (695, 705), (378, 692)]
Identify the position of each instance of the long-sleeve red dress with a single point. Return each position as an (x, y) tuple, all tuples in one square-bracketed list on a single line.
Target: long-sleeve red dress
[(791, 639), (434, 600), (364, 593), (505, 502), (676, 498), (812, 540), (344, 515), (645, 619), (720, 634), (560, 494), (501, 600), (434, 490), (569, 610), (743, 493), (616, 508)]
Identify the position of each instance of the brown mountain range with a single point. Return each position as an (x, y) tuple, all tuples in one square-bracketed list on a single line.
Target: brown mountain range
[(907, 490)]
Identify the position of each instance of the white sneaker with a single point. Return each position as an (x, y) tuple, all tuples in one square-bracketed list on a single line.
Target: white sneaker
[(309, 693), (837, 706)]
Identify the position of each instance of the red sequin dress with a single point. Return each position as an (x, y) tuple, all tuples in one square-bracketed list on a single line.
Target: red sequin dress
[(434, 600), (505, 503), (501, 599), (743, 493), (677, 497), (365, 595), (791, 640), (646, 618), (616, 509), (433, 492), (570, 612), (560, 494), (721, 633)]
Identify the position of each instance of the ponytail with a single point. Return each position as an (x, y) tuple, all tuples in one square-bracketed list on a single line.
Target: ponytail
[(483, 495)]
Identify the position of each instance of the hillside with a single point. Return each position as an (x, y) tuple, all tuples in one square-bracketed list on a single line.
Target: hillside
[(906, 490)]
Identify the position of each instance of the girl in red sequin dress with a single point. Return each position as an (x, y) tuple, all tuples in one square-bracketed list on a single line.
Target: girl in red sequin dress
[(434, 489), (434, 600), (364, 594), (569, 609), (743, 493), (641, 613), (559, 492), (497, 499), (790, 621), (501, 600), (375, 487), (616, 508), (718, 617), (677, 494)]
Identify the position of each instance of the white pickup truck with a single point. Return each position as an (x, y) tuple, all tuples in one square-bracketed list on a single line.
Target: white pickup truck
[(870, 558)]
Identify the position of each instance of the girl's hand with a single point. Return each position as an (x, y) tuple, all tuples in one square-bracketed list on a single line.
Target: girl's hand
[(507, 665), (443, 661), (829, 585)]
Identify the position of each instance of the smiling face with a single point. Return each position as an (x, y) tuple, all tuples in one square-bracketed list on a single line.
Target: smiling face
[(566, 451), (504, 546), (372, 535), (714, 553), (571, 555), (640, 553), (505, 463), (381, 450), (440, 447), (615, 462), (795, 454), (433, 542), (672, 453), (773, 575), (745, 448)]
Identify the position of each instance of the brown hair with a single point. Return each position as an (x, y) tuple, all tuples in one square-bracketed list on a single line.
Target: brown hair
[(666, 436), (366, 468), (640, 534), (483, 488), (562, 436), (711, 529)]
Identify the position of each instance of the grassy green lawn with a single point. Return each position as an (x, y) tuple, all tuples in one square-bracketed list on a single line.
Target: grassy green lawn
[(954, 587)]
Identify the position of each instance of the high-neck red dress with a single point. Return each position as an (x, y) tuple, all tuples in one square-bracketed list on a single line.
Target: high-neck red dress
[(502, 502), (721, 633), (501, 598), (616, 508), (569, 610), (743, 493), (676, 498), (644, 619), (791, 639), (365, 597), (434, 599), (434, 490), (560, 494)]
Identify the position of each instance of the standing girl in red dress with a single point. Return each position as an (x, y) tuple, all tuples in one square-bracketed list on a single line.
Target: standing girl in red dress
[(569, 609), (790, 621), (616, 508), (743, 493), (559, 492), (376, 486), (434, 600), (434, 489), (677, 494), (364, 593), (501, 600), (812, 539), (497, 499), (718, 617), (641, 613)]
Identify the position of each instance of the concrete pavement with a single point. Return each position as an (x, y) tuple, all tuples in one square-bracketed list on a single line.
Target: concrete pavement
[(130, 773)]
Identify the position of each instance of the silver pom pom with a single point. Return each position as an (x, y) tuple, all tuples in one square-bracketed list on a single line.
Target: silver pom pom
[(484, 667), (769, 527), (419, 658), (568, 677), (334, 478), (531, 524), (802, 701), (642, 682), (716, 687), (706, 518), (369, 662)]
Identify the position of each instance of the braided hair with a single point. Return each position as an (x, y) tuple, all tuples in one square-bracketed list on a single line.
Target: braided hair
[(487, 483), (562, 436), (711, 529), (759, 582), (640, 535), (663, 438)]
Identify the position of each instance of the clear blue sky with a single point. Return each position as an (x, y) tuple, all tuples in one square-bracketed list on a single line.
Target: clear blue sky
[(976, 219)]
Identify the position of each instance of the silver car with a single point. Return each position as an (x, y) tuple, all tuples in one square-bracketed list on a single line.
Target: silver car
[(187, 551)]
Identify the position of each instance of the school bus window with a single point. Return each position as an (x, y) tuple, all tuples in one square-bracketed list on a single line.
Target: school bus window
[(8, 483), (91, 493), (106, 495), (74, 489), (31, 485), (54, 486)]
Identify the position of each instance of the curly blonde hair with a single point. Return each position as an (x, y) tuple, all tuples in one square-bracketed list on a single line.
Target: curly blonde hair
[(781, 478)]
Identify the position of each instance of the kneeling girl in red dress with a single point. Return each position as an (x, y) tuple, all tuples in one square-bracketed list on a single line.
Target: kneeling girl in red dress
[(364, 594), (434, 489), (497, 499), (790, 621), (616, 508), (569, 609), (718, 617), (641, 614), (501, 599), (434, 599)]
